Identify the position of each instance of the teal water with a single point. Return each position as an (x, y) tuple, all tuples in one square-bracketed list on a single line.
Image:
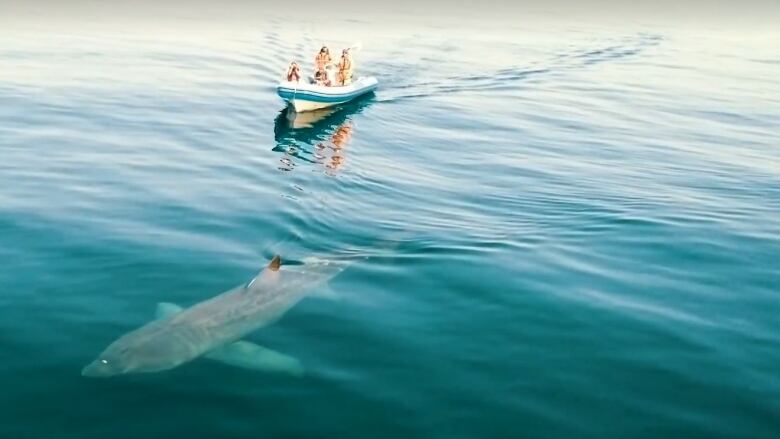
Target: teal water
[(585, 228)]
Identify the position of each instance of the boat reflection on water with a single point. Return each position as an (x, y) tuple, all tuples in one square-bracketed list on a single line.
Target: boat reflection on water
[(318, 137)]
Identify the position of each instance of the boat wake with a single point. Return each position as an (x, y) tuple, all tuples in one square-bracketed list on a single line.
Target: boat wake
[(510, 78)]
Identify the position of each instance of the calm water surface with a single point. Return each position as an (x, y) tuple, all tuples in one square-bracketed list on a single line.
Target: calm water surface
[(584, 229)]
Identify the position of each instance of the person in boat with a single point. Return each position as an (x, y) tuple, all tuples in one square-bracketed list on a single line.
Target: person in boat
[(321, 78), (346, 67), (322, 60), (294, 72)]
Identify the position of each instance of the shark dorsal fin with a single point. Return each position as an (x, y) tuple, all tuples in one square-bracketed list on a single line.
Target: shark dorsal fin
[(275, 263)]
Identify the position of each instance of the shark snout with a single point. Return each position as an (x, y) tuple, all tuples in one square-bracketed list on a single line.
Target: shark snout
[(98, 369)]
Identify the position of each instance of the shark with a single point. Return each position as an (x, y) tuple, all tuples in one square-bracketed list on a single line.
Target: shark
[(213, 328)]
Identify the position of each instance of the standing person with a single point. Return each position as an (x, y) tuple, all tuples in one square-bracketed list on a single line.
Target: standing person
[(346, 67), (322, 60)]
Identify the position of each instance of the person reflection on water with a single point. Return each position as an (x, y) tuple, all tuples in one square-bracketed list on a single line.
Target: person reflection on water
[(340, 139)]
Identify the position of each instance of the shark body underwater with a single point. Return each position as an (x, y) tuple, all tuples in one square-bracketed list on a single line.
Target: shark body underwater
[(213, 328)]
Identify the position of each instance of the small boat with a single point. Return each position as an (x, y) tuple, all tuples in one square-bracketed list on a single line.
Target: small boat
[(308, 95)]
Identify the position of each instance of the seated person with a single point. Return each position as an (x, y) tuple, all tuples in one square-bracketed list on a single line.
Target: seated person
[(294, 72), (321, 78)]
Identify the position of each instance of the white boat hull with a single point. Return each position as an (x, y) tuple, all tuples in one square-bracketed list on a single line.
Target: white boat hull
[(301, 105)]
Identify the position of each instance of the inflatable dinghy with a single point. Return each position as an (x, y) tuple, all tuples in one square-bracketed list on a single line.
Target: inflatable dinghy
[(307, 95)]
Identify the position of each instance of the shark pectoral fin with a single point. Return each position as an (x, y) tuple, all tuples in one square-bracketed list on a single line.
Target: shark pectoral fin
[(165, 310), (251, 356), (326, 292)]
